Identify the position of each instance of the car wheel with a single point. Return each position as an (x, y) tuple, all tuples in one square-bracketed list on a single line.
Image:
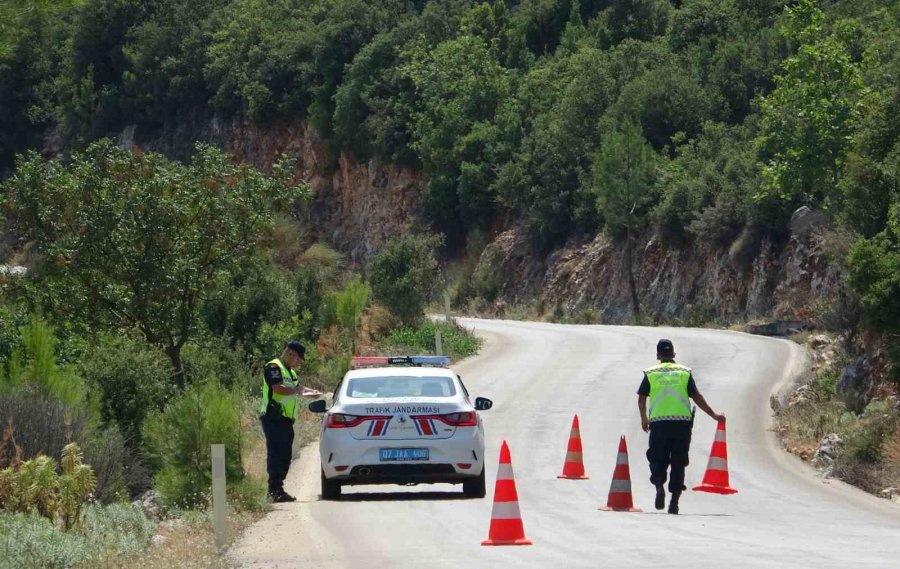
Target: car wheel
[(475, 487), (331, 489)]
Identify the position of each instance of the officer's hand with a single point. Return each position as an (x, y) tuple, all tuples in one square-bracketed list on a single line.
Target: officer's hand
[(645, 424), (720, 418)]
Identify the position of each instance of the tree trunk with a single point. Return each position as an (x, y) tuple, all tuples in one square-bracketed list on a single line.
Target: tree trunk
[(174, 353), (629, 267)]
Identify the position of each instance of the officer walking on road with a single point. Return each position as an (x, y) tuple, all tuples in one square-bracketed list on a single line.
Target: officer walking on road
[(280, 390), (669, 386)]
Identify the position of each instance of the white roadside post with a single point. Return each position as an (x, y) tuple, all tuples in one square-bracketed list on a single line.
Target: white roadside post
[(218, 494), (438, 346)]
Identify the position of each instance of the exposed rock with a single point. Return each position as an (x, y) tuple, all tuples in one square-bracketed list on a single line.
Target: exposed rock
[(13, 270), (778, 328), (828, 449), (356, 206), (695, 284), (798, 395), (157, 539), (149, 501), (819, 341), (855, 385), (805, 219)]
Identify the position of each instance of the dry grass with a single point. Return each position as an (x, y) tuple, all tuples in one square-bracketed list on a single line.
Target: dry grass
[(803, 423), (892, 460), (191, 544)]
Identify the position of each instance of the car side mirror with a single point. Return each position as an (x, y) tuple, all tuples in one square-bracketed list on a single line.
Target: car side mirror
[(317, 406), (483, 404)]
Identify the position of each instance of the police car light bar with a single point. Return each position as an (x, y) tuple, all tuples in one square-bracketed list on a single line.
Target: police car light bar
[(439, 361)]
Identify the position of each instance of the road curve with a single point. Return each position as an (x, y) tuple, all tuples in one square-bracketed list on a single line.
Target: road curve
[(539, 375)]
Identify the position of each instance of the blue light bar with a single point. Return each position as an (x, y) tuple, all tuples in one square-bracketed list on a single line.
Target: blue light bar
[(440, 361)]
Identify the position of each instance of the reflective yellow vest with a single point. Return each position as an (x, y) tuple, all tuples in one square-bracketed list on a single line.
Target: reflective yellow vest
[(287, 403), (669, 397)]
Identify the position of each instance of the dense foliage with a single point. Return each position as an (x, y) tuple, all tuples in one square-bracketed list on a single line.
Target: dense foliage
[(700, 120), (505, 103)]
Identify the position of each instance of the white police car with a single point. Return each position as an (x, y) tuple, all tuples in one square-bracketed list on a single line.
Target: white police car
[(401, 420)]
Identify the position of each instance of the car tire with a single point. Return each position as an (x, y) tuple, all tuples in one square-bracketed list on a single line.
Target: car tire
[(475, 487), (331, 489)]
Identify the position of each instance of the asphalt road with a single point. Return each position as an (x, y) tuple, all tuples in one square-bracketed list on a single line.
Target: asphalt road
[(539, 375)]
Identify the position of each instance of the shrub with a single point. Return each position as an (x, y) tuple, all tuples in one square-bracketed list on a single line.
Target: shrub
[(213, 359), (344, 309), (456, 341), (179, 439), (132, 379), (405, 274), (35, 485), (30, 541), (35, 366), (866, 436)]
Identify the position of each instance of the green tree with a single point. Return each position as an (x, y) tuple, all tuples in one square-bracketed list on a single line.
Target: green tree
[(808, 119), (458, 131), (134, 240), (625, 170), (405, 274)]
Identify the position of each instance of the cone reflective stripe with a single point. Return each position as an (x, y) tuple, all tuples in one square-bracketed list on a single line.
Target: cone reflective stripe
[(573, 469), (620, 499), (716, 478), (506, 520)]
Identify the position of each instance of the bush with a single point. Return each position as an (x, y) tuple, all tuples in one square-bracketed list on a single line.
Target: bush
[(456, 341), (29, 541), (35, 366), (344, 309), (405, 274), (34, 485), (179, 439), (866, 436), (213, 359), (132, 379)]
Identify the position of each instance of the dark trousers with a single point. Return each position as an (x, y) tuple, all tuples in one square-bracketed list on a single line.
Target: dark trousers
[(670, 442), (279, 442)]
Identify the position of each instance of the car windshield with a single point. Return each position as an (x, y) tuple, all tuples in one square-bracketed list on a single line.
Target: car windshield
[(400, 386)]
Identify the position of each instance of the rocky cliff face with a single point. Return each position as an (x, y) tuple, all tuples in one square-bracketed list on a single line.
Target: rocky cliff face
[(358, 206), (697, 283)]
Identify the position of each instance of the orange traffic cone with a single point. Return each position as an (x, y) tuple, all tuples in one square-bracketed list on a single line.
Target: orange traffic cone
[(506, 521), (573, 468), (716, 478), (620, 490)]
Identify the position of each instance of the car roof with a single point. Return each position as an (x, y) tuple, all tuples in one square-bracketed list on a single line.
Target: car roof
[(400, 371)]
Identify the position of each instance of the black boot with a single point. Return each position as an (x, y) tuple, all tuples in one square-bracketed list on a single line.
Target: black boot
[(660, 497), (673, 503)]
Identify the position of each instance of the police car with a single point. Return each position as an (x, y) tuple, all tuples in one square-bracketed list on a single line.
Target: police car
[(401, 420)]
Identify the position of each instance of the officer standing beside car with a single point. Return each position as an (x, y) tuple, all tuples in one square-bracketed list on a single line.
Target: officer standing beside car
[(280, 391), (669, 386)]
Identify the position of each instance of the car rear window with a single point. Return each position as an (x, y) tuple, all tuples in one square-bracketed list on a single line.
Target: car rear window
[(400, 386)]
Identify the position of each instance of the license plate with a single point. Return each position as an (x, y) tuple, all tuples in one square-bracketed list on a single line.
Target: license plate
[(403, 454)]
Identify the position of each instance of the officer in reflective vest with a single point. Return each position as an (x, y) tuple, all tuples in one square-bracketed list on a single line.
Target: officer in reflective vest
[(669, 386), (280, 389)]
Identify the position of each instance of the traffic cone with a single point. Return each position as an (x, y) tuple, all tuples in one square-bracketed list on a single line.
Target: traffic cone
[(573, 468), (716, 478), (620, 490), (506, 521)]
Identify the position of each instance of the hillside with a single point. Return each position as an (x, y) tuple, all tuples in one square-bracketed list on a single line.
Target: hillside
[(617, 161)]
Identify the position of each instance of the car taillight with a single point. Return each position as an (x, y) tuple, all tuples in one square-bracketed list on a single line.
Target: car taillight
[(462, 419), (345, 421)]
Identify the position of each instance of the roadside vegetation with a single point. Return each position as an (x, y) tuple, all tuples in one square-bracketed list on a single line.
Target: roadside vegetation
[(155, 293), (154, 283)]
